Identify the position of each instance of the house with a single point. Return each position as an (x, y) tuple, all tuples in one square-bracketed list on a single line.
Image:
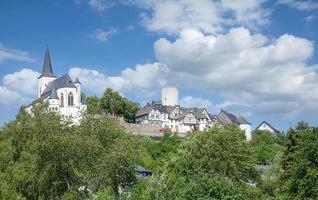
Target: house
[(62, 94), (183, 120), (225, 118), (170, 114), (265, 126)]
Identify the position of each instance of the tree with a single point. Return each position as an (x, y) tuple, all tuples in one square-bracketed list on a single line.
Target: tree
[(93, 106), (300, 163), (113, 103), (214, 164), (265, 146), (46, 158)]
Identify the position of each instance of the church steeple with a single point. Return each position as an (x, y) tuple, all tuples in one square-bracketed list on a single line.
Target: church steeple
[(47, 66)]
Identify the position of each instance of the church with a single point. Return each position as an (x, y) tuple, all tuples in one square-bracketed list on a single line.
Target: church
[(62, 94)]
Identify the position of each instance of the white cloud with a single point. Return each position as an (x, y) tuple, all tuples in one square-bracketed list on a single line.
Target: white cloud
[(103, 35), (311, 18), (19, 87), (8, 97), (14, 54), (24, 82), (249, 71), (191, 102), (140, 80), (209, 16), (302, 5), (101, 5)]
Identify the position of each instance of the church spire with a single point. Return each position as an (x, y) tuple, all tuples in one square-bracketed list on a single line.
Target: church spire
[(47, 66)]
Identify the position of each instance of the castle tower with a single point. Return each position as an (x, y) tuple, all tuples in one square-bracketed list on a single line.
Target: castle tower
[(169, 96), (47, 74)]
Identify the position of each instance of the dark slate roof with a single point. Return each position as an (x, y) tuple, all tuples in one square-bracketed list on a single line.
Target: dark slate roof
[(268, 124), (54, 94), (226, 118), (77, 81), (170, 108), (242, 120), (197, 112), (47, 70), (64, 81), (144, 111)]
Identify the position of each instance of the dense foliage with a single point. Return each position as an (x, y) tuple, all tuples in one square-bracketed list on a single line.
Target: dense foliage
[(300, 163), (112, 103), (265, 146), (42, 157)]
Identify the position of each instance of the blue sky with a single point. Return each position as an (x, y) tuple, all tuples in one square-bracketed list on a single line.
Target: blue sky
[(258, 59)]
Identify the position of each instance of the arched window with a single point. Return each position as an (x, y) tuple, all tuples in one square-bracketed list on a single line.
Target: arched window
[(62, 100), (70, 99)]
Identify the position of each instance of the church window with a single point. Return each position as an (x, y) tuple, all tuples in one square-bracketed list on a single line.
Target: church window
[(62, 100), (70, 99)]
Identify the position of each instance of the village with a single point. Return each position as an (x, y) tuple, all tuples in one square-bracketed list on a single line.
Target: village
[(64, 96)]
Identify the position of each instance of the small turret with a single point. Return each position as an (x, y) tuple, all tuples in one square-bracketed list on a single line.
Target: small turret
[(54, 103), (78, 90)]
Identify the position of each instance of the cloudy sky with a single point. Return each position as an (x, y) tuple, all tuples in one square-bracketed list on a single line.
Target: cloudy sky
[(257, 59)]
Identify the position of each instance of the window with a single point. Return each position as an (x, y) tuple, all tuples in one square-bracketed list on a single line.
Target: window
[(157, 116), (70, 99), (62, 100)]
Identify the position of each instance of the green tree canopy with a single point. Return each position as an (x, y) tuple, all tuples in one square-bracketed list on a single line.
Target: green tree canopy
[(300, 163), (214, 164), (112, 103)]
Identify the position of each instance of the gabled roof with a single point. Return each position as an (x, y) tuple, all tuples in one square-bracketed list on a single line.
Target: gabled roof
[(64, 81), (47, 70), (170, 109), (226, 118), (148, 108), (269, 125), (197, 112)]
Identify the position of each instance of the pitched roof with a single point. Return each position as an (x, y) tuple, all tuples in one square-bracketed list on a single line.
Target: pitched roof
[(64, 81), (171, 108), (54, 94), (77, 81), (197, 112), (269, 125), (47, 70), (226, 118)]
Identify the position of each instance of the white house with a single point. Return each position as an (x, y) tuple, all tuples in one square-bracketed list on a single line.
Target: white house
[(265, 126), (169, 114), (62, 94), (226, 118)]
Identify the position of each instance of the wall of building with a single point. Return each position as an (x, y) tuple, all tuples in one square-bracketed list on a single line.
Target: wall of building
[(169, 96), (247, 128), (265, 127)]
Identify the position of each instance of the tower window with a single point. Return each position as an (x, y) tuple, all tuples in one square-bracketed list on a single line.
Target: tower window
[(62, 100), (70, 99)]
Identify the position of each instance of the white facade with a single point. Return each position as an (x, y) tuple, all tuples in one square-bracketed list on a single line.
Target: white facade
[(265, 126), (62, 94), (43, 83), (169, 96), (178, 120), (247, 128)]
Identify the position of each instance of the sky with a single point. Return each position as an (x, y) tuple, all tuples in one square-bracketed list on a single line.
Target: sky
[(258, 58)]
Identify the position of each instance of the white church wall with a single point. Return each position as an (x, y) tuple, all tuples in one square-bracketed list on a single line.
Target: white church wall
[(43, 83)]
